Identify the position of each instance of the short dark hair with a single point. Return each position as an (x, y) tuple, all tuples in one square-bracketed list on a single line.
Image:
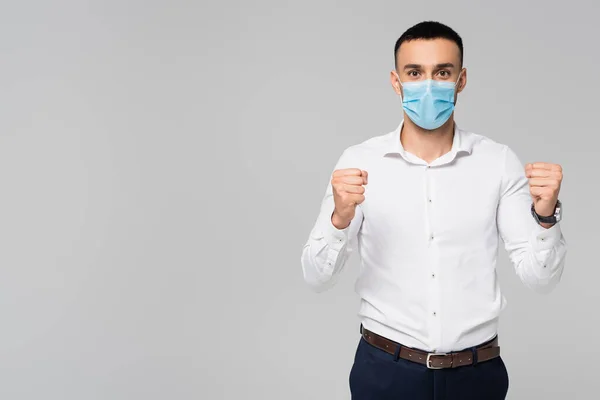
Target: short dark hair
[(429, 30)]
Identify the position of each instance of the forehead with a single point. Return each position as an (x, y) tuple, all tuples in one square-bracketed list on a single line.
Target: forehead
[(428, 52)]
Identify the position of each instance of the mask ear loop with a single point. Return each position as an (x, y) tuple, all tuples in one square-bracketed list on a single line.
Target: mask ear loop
[(458, 80), (399, 81), (401, 86)]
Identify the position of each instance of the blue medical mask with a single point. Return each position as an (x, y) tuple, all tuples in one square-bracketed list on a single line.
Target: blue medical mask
[(429, 103)]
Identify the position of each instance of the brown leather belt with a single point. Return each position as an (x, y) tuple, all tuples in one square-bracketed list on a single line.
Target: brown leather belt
[(481, 353)]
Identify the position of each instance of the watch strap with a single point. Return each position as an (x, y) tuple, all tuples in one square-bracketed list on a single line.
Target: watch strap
[(545, 219)]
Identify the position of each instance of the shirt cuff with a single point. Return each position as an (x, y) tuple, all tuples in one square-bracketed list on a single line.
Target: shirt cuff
[(335, 238), (546, 238)]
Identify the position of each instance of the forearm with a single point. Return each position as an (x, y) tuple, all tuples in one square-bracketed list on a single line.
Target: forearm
[(539, 263), (324, 254)]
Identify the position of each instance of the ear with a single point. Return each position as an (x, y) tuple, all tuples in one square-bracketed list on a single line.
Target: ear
[(395, 81), (462, 81)]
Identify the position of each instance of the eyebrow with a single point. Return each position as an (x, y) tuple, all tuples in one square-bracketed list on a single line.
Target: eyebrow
[(438, 66)]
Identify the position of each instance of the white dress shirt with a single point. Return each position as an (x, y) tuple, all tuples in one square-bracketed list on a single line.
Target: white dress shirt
[(427, 235)]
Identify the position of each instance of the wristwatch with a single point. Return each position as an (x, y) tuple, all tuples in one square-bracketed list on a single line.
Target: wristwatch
[(554, 218)]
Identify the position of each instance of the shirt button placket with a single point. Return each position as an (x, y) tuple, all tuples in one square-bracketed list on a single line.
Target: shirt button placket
[(434, 282)]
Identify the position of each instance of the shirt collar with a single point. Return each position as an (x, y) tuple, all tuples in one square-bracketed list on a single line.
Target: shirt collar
[(461, 142)]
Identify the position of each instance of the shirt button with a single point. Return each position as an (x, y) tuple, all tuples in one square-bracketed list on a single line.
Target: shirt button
[(433, 275), (431, 237), (429, 200), (434, 313)]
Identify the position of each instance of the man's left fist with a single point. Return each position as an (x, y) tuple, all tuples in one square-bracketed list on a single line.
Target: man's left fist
[(544, 185)]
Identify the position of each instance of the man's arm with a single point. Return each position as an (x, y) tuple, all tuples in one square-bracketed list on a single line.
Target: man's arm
[(333, 237), (537, 252)]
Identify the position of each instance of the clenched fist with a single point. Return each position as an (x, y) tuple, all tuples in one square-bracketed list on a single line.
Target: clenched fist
[(348, 191), (544, 184)]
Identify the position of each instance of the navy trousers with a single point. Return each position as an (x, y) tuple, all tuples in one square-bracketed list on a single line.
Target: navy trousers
[(377, 375)]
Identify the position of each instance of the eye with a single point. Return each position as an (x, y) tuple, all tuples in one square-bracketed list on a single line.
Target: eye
[(413, 73), (444, 74)]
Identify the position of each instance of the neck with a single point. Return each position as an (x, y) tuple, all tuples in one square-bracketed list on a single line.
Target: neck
[(427, 145)]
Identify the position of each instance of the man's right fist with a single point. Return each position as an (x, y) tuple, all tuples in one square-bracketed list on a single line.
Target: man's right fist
[(348, 191)]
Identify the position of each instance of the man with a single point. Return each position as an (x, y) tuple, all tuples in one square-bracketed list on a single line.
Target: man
[(425, 206)]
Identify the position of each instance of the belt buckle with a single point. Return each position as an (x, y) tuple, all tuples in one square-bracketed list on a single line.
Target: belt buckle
[(428, 362)]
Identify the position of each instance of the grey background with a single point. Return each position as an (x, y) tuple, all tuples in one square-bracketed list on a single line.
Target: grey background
[(162, 163)]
